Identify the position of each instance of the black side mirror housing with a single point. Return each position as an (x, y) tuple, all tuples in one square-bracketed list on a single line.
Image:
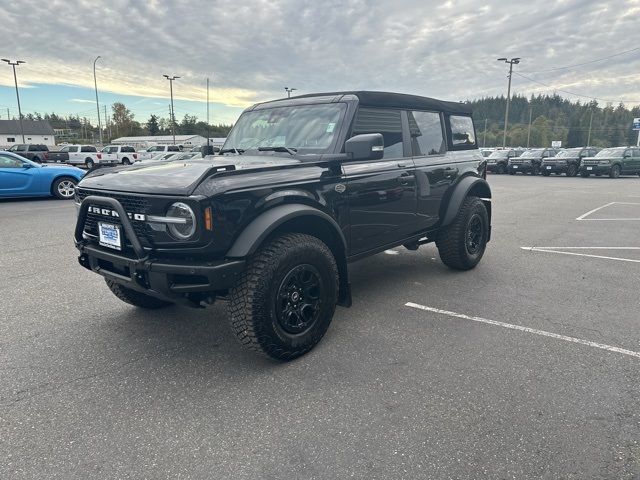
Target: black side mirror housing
[(367, 146)]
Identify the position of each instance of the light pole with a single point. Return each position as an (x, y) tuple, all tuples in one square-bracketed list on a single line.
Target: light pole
[(529, 130), (173, 116), (95, 83), (15, 79), (590, 123), (512, 62), (289, 90)]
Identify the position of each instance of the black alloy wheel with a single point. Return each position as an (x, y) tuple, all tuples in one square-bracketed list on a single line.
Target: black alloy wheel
[(297, 305)]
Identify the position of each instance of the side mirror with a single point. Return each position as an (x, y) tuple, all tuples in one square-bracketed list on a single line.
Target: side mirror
[(368, 146)]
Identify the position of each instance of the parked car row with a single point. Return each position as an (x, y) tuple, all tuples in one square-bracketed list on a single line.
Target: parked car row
[(570, 161)]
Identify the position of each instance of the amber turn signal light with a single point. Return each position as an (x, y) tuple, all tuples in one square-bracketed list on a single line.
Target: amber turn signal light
[(208, 220)]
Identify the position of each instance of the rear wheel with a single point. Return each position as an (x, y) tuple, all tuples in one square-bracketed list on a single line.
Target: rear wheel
[(572, 170), (135, 298), (126, 161), (64, 188), (615, 171), (36, 159), (89, 163), (461, 245), (284, 301)]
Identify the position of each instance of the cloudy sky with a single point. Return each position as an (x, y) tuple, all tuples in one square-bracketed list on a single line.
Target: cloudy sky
[(251, 49)]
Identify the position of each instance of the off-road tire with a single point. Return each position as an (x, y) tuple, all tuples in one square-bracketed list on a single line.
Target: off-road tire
[(452, 239), (137, 299), (572, 170), (253, 301), (614, 172)]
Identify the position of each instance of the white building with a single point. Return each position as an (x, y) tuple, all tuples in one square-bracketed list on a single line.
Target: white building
[(187, 141), (35, 131)]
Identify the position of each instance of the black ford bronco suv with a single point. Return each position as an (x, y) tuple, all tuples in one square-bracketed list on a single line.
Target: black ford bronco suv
[(302, 187)]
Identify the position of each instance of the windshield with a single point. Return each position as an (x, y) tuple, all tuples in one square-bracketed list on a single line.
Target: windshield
[(611, 152), (500, 154), (532, 153), (569, 152), (305, 127)]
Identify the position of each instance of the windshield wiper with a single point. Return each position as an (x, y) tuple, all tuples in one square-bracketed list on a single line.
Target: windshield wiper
[(290, 151), (237, 151)]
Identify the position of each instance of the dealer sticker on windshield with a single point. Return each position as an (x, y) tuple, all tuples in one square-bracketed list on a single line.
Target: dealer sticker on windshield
[(109, 235)]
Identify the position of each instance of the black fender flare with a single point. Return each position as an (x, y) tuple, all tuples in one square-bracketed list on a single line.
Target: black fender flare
[(467, 185), (269, 221)]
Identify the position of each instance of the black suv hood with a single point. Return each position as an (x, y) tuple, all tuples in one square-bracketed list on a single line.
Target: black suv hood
[(175, 178)]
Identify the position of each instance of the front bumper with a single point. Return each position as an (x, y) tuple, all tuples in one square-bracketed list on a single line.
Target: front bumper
[(521, 167), (554, 168), (494, 167), (596, 169), (176, 279)]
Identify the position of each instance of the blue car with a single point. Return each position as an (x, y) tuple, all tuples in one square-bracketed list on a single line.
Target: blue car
[(20, 177)]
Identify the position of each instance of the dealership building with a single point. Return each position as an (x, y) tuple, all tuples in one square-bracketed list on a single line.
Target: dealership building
[(35, 131)]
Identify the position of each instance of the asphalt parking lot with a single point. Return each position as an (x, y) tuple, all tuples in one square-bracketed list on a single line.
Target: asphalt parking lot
[(447, 387)]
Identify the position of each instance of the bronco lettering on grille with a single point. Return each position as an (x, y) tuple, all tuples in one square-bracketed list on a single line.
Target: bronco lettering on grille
[(107, 212)]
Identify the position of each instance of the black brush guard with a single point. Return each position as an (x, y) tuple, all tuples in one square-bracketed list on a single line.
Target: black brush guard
[(173, 280)]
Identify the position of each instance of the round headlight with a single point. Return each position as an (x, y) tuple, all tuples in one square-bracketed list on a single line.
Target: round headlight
[(185, 228)]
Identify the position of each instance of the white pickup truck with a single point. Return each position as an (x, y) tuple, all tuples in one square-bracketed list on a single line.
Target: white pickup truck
[(123, 154), (150, 152), (87, 155)]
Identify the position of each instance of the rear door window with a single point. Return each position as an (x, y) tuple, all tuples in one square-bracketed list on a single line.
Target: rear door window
[(384, 121), (425, 129), (462, 132), (88, 149)]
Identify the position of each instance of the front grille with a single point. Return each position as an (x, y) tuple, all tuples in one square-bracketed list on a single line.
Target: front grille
[(590, 162), (130, 203)]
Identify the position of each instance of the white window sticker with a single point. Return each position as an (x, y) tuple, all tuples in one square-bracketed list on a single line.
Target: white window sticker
[(330, 127)]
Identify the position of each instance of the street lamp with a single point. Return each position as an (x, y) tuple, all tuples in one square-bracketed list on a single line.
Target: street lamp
[(95, 83), (173, 117), (512, 62), (289, 90), (15, 78)]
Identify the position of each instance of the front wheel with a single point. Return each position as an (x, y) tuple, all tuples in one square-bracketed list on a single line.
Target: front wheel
[(584, 174), (615, 172), (546, 173), (461, 245), (284, 301), (64, 188)]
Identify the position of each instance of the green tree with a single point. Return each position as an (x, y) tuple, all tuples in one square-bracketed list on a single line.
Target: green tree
[(152, 125), (122, 119)]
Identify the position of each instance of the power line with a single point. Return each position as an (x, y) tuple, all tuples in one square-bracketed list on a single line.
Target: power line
[(586, 63), (574, 93)]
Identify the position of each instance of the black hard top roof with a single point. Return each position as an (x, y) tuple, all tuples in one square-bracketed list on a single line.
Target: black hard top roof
[(388, 99)]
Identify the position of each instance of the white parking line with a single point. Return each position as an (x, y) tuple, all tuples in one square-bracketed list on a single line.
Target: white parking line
[(583, 217), (594, 210), (520, 328), (553, 250)]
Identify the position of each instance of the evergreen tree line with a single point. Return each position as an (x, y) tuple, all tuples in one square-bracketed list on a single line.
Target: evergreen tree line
[(553, 118), (122, 123)]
